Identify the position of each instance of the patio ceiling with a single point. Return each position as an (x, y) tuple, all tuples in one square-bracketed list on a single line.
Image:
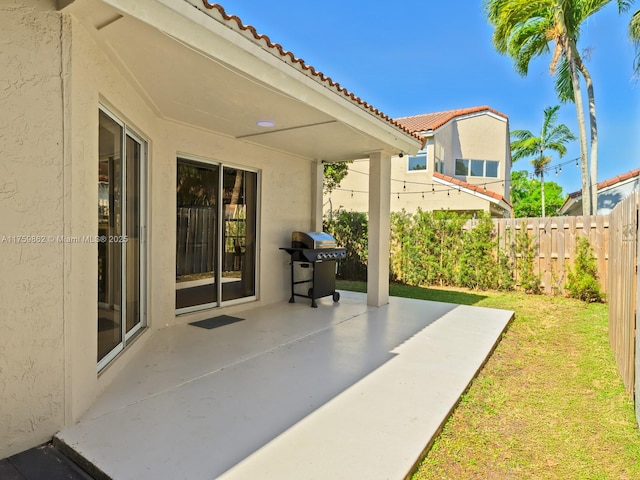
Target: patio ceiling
[(196, 69)]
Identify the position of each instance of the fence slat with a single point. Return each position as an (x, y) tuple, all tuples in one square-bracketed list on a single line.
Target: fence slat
[(622, 281), (555, 238)]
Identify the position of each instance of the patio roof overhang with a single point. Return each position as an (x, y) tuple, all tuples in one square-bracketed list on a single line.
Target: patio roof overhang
[(197, 66)]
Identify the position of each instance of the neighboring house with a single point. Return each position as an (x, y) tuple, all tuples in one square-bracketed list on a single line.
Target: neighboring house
[(465, 166), (147, 147), (610, 193)]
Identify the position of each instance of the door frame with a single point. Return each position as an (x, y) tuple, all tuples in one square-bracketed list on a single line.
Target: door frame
[(126, 337), (220, 225)]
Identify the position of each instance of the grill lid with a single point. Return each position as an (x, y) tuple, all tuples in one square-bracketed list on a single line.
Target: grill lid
[(312, 240)]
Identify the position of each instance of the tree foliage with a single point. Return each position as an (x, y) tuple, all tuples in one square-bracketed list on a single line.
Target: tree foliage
[(582, 280), (334, 173), (526, 252), (350, 231), (526, 196), (526, 29), (634, 35), (552, 137)]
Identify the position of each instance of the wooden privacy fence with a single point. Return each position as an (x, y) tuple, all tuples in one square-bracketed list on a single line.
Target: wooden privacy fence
[(623, 248), (554, 239)]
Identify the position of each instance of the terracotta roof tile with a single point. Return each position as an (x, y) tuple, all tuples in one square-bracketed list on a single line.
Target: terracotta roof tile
[(610, 181), (290, 58), (432, 121), (469, 186)]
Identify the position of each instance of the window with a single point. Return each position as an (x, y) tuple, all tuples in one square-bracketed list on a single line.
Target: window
[(462, 167), (418, 161), (477, 168), (438, 164)]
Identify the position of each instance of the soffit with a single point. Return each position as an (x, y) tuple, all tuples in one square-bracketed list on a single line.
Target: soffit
[(190, 85)]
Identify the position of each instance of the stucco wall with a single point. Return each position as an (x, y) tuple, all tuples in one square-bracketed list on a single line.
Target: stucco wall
[(477, 137), (54, 77), (284, 205), (31, 204)]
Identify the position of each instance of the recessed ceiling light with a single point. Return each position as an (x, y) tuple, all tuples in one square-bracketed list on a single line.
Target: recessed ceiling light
[(265, 123)]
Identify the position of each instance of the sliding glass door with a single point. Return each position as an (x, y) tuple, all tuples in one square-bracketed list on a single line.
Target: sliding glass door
[(197, 235), (120, 241), (215, 235), (239, 257)]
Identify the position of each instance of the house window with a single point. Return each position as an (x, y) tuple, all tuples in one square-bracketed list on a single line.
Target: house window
[(418, 161), (439, 161), (477, 168)]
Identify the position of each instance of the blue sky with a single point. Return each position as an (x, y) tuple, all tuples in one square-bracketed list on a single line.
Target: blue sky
[(426, 56)]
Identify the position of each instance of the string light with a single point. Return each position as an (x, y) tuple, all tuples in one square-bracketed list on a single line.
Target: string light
[(556, 168)]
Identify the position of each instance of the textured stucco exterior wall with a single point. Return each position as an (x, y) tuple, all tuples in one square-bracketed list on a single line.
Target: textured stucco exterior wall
[(477, 137), (31, 204), (285, 205), (54, 77)]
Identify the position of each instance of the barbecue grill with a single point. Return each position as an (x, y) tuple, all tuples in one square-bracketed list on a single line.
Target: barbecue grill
[(318, 252)]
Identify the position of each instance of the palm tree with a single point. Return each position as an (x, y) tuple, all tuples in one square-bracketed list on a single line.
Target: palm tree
[(524, 29), (634, 35), (552, 137)]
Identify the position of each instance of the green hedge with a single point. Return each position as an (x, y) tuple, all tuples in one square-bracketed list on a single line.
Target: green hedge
[(429, 248)]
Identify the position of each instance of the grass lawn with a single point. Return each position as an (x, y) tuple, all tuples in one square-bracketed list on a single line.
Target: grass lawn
[(549, 403)]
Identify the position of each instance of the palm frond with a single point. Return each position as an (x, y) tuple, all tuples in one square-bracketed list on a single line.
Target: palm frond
[(563, 84)]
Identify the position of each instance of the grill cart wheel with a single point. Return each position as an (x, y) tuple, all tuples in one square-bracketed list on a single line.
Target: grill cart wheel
[(336, 296)]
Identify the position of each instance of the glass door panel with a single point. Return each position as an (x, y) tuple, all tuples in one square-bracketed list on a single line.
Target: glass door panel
[(196, 235), (239, 198), (131, 242), (121, 158), (109, 223)]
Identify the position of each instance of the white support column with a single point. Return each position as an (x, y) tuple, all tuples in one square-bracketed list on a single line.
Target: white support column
[(379, 228), (317, 177)]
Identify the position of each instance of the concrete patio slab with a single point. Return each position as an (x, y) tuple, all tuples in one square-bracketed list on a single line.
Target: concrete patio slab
[(342, 391)]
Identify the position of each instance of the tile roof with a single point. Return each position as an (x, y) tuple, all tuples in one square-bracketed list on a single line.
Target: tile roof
[(610, 181), (469, 186), (432, 121), (285, 55)]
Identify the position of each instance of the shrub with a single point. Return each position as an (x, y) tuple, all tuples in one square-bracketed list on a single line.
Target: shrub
[(482, 266), (525, 250), (350, 229), (583, 282)]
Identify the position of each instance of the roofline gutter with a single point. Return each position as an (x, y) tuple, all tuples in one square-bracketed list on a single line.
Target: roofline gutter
[(501, 203)]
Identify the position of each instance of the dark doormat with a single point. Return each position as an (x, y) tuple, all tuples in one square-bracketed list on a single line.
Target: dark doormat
[(41, 463), (216, 322)]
